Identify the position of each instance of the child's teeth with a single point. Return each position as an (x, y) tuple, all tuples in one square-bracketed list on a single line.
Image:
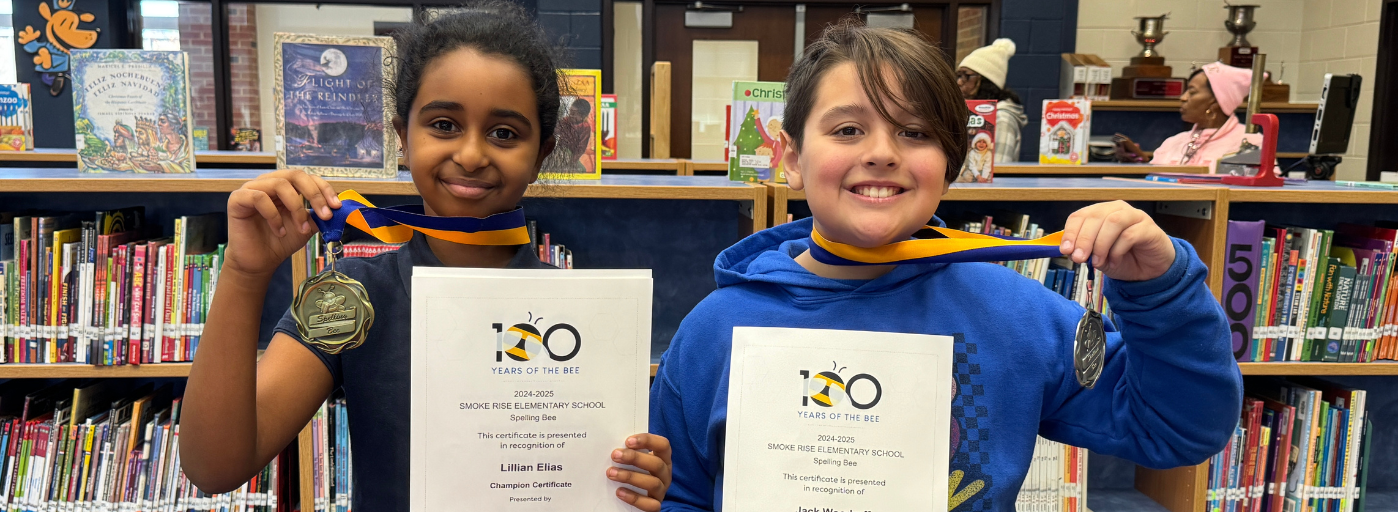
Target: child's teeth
[(876, 192)]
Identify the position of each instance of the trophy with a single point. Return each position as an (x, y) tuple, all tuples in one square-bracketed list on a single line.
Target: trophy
[(1149, 33), (1147, 76), (1240, 22), (1239, 52)]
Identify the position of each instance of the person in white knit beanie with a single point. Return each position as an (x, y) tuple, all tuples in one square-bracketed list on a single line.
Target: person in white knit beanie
[(982, 76)]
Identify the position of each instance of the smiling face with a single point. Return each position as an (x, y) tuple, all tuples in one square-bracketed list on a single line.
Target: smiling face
[(867, 181), (472, 137), (1197, 99)]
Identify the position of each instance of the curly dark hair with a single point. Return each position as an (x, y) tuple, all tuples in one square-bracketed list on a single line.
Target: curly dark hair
[(986, 90), (493, 27), (918, 71)]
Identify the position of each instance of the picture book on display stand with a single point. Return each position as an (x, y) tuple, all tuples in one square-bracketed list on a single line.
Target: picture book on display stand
[(755, 122), (981, 142), (16, 118), (609, 127), (335, 108), (1064, 132), (131, 111), (578, 148)]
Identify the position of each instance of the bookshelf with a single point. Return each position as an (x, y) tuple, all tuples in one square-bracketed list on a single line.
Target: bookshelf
[(88, 371), (1206, 235), (1174, 105), (1021, 169), (1093, 169), (760, 206), (1378, 368), (1181, 489), (267, 160)]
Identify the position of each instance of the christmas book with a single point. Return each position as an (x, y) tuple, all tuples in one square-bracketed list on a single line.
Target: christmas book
[(131, 111), (334, 105), (755, 121), (981, 142)]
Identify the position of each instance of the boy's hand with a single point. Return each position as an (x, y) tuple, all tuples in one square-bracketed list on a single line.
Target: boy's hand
[(657, 465), (1125, 242), (268, 222)]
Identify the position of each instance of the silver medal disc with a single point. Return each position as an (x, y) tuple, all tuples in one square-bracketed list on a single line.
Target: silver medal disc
[(1089, 346)]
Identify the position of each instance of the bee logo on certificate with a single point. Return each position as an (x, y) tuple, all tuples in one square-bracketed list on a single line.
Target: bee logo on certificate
[(829, 389), (524, 342)]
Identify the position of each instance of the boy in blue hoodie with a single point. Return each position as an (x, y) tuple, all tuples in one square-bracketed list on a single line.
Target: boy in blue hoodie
[(874, 134)]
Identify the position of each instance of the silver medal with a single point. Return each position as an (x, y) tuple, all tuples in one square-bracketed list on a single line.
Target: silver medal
[(1089, 342)]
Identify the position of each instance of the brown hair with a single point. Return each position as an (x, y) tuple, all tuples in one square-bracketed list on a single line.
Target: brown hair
[(920, 71)]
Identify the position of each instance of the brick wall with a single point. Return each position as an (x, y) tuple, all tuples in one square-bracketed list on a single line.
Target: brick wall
[(196, 40), (971, 32), (243, 63), (1042, 30)]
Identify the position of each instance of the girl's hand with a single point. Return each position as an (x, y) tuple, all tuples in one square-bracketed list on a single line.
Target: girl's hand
[(1125, 242), (651, 453), (268, 222)]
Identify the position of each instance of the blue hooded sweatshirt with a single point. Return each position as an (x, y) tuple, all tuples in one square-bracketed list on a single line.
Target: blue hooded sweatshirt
[(1169, 395)]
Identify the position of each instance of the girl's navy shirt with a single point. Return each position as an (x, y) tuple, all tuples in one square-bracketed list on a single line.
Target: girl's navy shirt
[(375, 376)]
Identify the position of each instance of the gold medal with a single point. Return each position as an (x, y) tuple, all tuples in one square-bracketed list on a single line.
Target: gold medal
[(332, 311)]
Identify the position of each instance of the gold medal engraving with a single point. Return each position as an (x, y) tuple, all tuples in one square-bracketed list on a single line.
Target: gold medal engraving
[(332, 311)]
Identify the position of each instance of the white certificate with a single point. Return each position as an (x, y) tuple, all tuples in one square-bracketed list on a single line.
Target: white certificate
[(837, 420), (523, 383)]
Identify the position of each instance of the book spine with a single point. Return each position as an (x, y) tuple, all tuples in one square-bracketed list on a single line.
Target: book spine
[(1322, 248), (187, 308), (1243, 240), (148, 326), (1324, 348), (167, 332), (138, 305)]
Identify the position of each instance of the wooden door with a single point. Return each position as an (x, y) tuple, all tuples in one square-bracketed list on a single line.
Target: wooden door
[(772, 26)]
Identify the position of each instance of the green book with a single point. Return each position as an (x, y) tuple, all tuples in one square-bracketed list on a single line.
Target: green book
[(1341, 306), (1318, 273), (1360, 299), (1324, 347)]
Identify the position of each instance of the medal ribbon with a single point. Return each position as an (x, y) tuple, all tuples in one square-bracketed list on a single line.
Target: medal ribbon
[(937, 245), (396, 224)]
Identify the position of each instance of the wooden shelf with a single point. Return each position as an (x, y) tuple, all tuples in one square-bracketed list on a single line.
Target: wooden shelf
[(708, 165), (70, 371), (200, 157), (1058, 189), (671, 165), (264, 158), (224, 181), (1175, 105), (1381, 368), (1106, 169), (1310, 192)]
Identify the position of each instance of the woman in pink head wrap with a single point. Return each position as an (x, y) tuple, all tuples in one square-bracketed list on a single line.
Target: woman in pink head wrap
[(1212, 94)]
